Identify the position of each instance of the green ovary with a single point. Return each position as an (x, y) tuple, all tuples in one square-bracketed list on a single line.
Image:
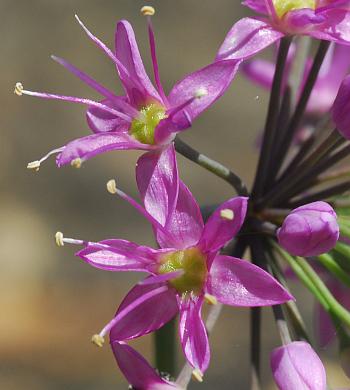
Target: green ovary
[(193, 263), (143, 129), (284, 6)]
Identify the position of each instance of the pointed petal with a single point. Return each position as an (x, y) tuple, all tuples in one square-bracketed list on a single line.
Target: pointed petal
[(246, 38), (136, 369), (137, 84), (91, 145), (158, 182), (237, 282), (218, 230), (101, 121), (213, 80), (147, 317), (297, 366), (185, 224), (194, 338), (119, 255), (256, 5)]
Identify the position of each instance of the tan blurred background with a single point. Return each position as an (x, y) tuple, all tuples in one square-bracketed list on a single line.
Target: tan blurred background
[(51, 302)]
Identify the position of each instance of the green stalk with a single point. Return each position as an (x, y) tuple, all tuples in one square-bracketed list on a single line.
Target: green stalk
[(165, 348), (333, 267)]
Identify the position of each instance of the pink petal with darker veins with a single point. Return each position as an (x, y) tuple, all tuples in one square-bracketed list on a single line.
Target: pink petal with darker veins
[(237, 282), (158, 182), (119, 255), (194, 338), (218, 230), (136, 84), (246, 38), (91, 145), (257, 6), (137, 371), (184, 225), (210, 82), (146, 317)]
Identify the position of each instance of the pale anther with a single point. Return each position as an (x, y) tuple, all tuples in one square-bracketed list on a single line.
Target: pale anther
[(34, 165), (59, 239), (210, 299), (197, 375), (201, 92), (111, 186), (18, 89), (227, 214), (147, 10), (76, 163), (97, 340)]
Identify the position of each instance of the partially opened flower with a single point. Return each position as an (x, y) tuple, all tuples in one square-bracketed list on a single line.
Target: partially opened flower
[(144, 118), (296, 366), (137, 371), (326, 20), (188, 268), (309, 230)]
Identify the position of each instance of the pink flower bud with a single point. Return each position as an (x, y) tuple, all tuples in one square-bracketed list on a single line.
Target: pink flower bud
[(296, 366), (341, 109), (309, 230)]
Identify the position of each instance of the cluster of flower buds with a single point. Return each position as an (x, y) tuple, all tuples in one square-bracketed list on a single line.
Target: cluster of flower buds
[(199, 262)]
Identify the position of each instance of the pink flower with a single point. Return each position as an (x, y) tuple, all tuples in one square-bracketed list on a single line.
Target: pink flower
[(340, 109), (144, 118), (326, 20), (188, 268), (296, 366), (137, 371), (309, 230)]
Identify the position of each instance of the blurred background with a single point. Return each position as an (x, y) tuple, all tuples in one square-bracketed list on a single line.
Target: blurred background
[(51, 302)]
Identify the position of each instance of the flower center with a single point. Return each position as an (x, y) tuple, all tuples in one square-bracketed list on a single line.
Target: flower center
[(284, 6), (143, 129), (194, 266)]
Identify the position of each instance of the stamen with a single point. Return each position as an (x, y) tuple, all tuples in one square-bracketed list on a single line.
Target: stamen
[(18, 89), (197, 375), (139, 301), (227, 214), (147, 10), (97, 340), (74, 99), (61, 240), (150, 11), (76, 163), (112, 186), (37, 163), (210, 299)]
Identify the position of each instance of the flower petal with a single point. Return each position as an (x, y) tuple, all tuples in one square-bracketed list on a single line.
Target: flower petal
[(256, 5), (185, 224), (219, 230), (137, 84), (213, 80), (119, 255), (147, 317), (246, 38), (194, 338), (158, 182), (237, 282), (102, 121), (297, 366), (136, 369), (91, 145)]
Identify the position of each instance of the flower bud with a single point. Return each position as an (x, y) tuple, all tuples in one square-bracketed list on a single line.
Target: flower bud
[(341, 109), (309, 230), (296, 366)]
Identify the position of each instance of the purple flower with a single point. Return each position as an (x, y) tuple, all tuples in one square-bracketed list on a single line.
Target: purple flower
[(326, 20), (341, 107), (144, 118), (333, 70), (296, 366), (188, 268), (309, 230), (137, 371)]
